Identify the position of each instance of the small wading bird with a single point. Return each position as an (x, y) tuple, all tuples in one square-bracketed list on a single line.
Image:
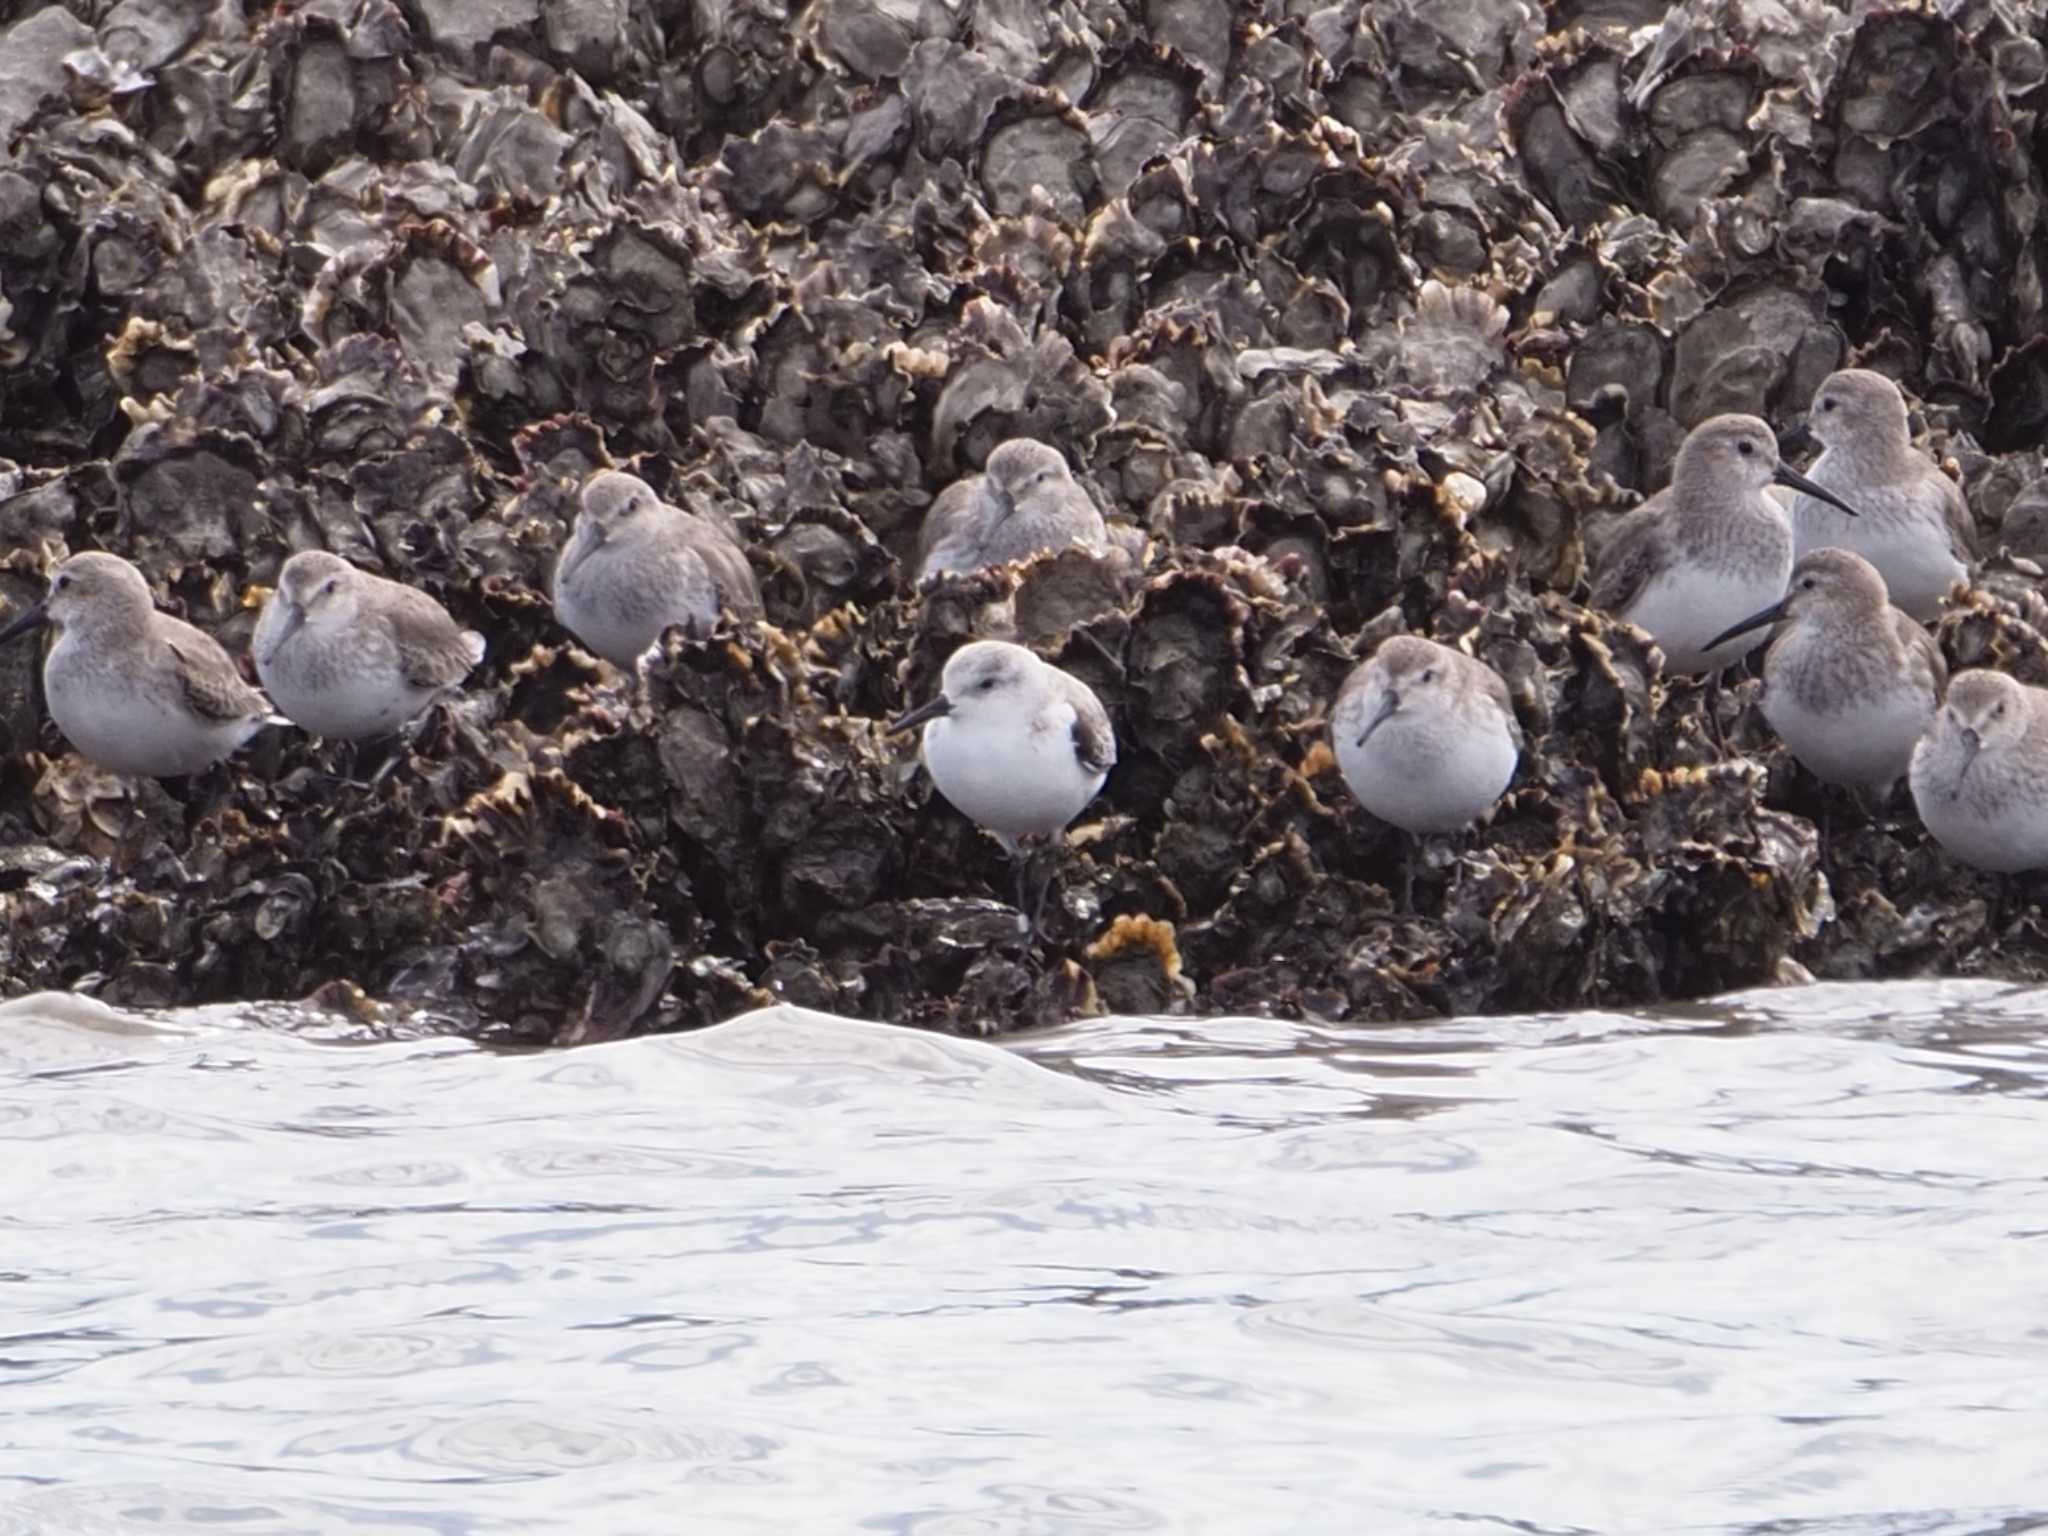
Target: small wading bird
[(1024, 502), (1980, 774), (1915, 526), (1426, 738), (1705, 552), (636, 565), (1017, 746), (351, 656), (136, 691), (1850, 682)]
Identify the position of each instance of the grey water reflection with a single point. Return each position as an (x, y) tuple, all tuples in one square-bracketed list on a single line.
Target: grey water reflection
[(1770, 1265)]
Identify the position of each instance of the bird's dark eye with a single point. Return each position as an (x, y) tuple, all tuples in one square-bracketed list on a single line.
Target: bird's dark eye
[(61, 583), (328, 586), (1827, 405), (1428, 675), (1809, 584), (985, 685), (1998, 713), (1745, 448)]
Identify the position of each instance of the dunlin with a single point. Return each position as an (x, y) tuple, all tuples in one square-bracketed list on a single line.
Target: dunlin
[(1426, 738), (136, 691), (1850, 682), (1024, 502), (1018, 746), (349, 655), (636, 565), (1980, 774), (1915, 527), (1708, 550)]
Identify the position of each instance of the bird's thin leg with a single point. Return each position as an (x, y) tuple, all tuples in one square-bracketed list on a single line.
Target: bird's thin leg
[(1408, 876), (1714, 714), (1020, 866), (1049, 866)]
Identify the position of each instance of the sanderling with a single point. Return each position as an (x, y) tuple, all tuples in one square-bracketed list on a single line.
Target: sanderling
[(134, 690), (1016, 745)]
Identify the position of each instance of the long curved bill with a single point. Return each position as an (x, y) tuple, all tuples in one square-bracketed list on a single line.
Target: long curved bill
[(1390, 702), (32, 618), (1787, 475), (930, 709), (294, 616), (1770, 615)]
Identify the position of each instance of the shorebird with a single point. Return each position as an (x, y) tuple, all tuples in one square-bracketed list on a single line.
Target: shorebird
[(1024, 501), (1426, 738), (1850, 682), (1980, 774), (636, 565), (1915, 526), (1017, 746), (349, 655), (1708, 550), (136, 691)]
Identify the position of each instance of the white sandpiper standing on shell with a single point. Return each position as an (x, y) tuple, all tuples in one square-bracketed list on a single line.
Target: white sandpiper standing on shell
[(636, 565), (349, 655), (137, 691), (1024, 502), (1426, 738), (1016, 745), (1708, 550), (1980, 774), (1850, 682), (1915, 526)]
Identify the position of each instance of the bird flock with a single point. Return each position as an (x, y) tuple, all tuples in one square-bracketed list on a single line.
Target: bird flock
[(1841, 574)]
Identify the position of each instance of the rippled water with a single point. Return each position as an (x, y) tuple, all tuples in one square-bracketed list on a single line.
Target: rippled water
[(1778, 1265)]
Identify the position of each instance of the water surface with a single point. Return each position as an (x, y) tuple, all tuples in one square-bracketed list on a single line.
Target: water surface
[(1772, 1265)]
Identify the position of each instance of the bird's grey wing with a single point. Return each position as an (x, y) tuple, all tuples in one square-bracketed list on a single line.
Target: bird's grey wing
[(1631, 556), (951, 528), (1923, 652), (433, 650), (212, 686), (1962, 528), (733, 577), (1496, 689), (1094, 741)]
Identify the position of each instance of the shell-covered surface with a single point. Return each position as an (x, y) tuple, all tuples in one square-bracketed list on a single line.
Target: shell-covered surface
[(1352, 319)]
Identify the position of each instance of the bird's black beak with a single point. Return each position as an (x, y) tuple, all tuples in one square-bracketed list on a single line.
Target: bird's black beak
[(35, 618), (1787, 475), (1380, 717), (1770, 615), (930, 709), (1797, 439)]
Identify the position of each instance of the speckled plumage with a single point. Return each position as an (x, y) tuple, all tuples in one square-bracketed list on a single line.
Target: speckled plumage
[(1024, 502), (1915, 526), (349, 655), (1425, 736), (635, 566), (134, 690), (1980, 774), (1850, 682), (1705, 552)]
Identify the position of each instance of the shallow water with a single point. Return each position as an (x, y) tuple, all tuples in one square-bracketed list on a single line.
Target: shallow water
[(1776, 1265)]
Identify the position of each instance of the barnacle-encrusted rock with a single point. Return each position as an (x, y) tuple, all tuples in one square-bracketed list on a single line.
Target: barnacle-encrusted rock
[(1349, 320)]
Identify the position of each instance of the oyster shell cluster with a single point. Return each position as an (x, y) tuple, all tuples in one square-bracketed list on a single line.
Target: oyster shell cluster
[(1351, 319)]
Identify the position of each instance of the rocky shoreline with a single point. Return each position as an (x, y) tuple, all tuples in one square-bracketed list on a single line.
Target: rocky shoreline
[(1363, 314)]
